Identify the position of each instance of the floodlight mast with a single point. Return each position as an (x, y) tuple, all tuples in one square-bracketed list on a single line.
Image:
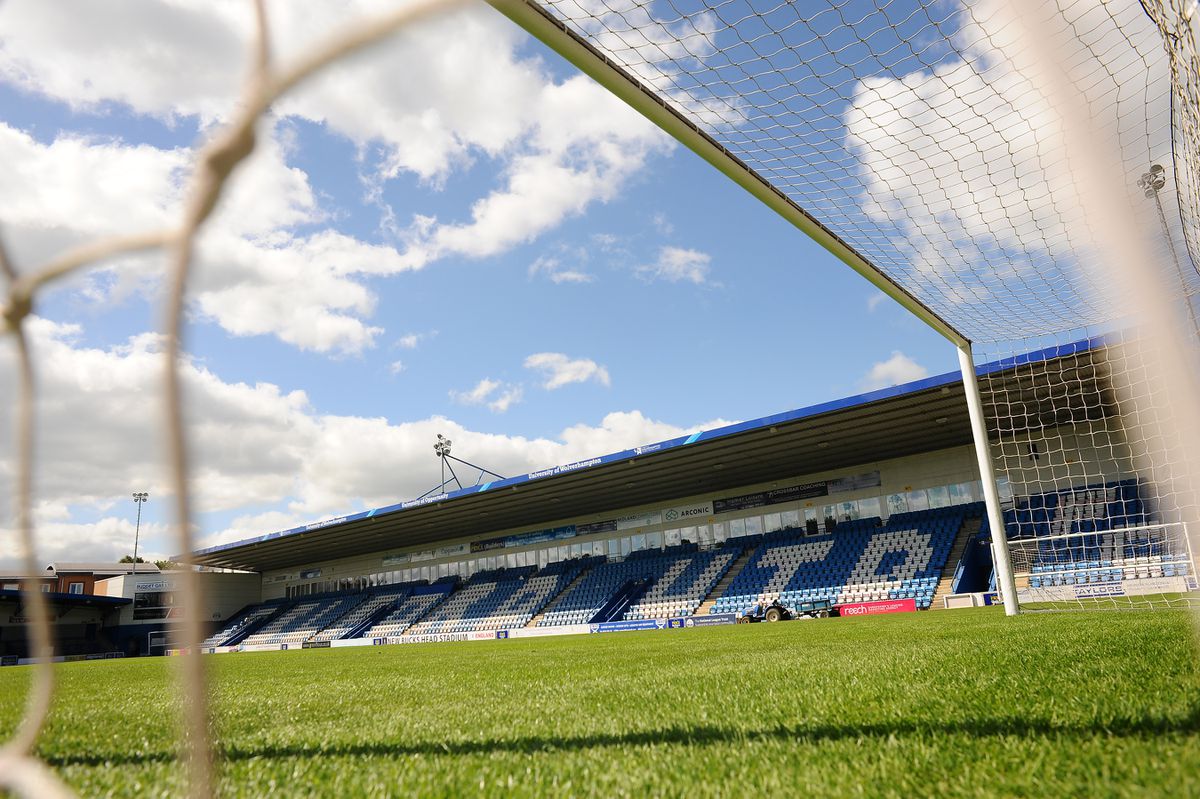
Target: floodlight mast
[(139, 497), (538, 22), (442, 450), (1151, 183)]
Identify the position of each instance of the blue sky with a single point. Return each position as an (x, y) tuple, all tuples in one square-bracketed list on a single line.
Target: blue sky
[(491, 247)]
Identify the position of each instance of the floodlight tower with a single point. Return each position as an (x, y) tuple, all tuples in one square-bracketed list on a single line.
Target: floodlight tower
[(1151, 183), (442, 450), (138, 497)]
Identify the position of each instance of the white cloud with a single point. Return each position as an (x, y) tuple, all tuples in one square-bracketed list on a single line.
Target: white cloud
[(553, 269), (895, 370), (256, 447), (254, 274), (677, 264), (558, 146), (506, 399), (585, 145), (875, 300), (558, 370), (497, 396), (477, 395), (396, 367), (968, 161), (410, 341)]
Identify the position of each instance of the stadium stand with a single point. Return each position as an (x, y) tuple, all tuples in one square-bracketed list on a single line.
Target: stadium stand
[(684, 584), (611, 588), (1079, 510), (377, 601), (304, 619), (859, 561), (1100, 530), (242, 623), (1101, 533), (405, 614), (501, 599)]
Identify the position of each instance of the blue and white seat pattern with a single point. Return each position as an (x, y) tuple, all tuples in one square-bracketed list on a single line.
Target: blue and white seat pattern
[(404, 615), (581, 604), (304, 620), (860, 561), (239, 622), (684, 585), (500, 600), (380, 599)]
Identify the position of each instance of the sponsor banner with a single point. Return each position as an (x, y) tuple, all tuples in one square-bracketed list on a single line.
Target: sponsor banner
[(483, 635), (61, 659), (525, 539), (684, 513), (283, 578), (820, 488), (9, 660), (326, 523), (623, 626), (876, 608), (1145, 585), (416, 503), (262, 647), (539, 536), (356, 642), (309, 574), (711, 620), (400, 558), (775, 496), (315, 645), (592, 528), (743, 502), (570, 467), (857, 482), (154, 599), (541, 632), (484, 546), (636, 520)]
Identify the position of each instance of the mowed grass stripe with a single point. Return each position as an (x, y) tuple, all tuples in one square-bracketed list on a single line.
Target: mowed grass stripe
[(967, 703)]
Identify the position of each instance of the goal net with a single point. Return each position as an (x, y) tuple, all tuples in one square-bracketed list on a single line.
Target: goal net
[(1018, 174), (1124, 566)]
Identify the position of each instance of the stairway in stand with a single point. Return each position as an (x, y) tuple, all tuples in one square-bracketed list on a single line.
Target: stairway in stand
[(966, 533), (553, 603), (719, 589)]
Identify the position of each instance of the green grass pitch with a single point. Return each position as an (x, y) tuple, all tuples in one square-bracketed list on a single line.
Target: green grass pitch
[(963, 703)]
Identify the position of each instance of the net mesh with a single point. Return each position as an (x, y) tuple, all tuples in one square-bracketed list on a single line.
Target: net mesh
[(928, 136), (906, 129), (924, 136)]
